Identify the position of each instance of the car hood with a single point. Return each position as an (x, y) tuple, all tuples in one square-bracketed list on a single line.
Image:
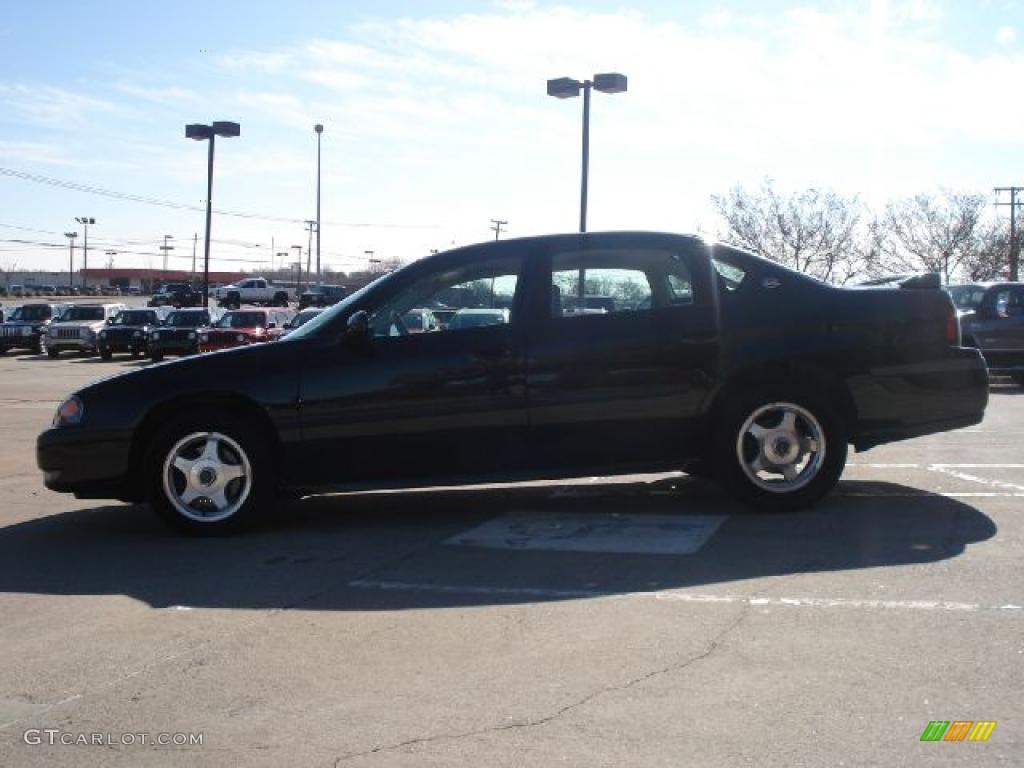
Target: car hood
[(93, 325)]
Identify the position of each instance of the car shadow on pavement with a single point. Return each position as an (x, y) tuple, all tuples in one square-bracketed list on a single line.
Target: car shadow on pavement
[(391, 551)]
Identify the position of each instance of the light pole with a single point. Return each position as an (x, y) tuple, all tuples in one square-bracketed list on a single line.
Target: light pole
[(200, 132), (567, 88), (71, 258), (309, 248), (298, 278), (319, 130), (85, 221), (110, 259)]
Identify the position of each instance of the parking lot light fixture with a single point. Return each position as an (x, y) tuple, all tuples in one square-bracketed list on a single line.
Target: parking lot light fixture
[(85, 221), (319, 130), (71, 258), (201, 132), (567, 88)]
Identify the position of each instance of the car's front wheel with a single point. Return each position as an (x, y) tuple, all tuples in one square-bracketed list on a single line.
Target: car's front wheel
[(781, 451), (1019, 378), (210, 474)]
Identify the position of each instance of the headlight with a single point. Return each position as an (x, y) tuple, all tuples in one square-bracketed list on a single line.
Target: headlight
[(52, 332), (137, 334), (156, 335), (240, 337), (192, 335), (203, 337), (69, 412), (84, 332)]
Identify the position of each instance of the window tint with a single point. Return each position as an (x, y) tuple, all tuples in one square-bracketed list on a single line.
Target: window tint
[(475, 295), (608, 281)]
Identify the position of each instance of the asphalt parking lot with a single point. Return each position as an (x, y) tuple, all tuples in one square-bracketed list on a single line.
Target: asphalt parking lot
[(643, 620)]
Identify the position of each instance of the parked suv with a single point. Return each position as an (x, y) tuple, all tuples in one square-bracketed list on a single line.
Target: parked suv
[(176, 295), (78, 327), (25, 327), (244, 326), (992, 319), (179, 334), (322, 296), (128, 332)]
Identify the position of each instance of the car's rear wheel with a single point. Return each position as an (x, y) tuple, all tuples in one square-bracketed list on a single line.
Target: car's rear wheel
[(1019, 378), (780, 451), (106, 354), (156, 357), (281, 299), (50, 352), (210, 474)]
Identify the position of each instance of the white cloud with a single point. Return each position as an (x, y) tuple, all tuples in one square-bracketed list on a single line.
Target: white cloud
[(1006, 35), (48, 105)]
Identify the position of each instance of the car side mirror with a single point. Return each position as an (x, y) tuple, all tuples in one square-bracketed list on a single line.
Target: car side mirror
[(271, 325), (110, 321), (358, 326)]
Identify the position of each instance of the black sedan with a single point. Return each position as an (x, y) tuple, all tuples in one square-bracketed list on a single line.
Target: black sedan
[(128, 331), (179, 334), (705, 357)]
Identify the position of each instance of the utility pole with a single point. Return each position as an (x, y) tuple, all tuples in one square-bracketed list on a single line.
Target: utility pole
[(319, 275), (497, 227), (195, 242), (110, 259), (1014, 242), (165, 248)]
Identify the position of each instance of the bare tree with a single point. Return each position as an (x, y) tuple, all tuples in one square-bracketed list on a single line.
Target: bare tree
[(814, 231), (932, 232), (990, 259)]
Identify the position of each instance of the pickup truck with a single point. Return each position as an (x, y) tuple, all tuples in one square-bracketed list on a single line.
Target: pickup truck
[(992, 319), (256, 290)]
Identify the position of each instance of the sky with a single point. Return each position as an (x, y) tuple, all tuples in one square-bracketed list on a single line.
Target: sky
[(436, 119)]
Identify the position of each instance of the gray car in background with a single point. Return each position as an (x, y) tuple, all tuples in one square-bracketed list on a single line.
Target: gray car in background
[(992, 319)]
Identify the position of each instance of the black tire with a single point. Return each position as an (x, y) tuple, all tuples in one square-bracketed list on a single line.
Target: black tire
[(281, 299), (51, 352), (156, 357), (233, 301), (1019, 378), (231, 431), (771, 492), (106, 354)]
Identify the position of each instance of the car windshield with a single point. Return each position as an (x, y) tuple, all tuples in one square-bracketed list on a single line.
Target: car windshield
[(173, 288), (81, 314), (135, 317), (31, 314), (187, 319), (242, 320), (967, 296)]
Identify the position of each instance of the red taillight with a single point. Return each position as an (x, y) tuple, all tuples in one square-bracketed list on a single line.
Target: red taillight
[(953, 330)]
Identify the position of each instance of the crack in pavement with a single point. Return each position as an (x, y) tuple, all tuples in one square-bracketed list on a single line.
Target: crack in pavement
[(715, 643)]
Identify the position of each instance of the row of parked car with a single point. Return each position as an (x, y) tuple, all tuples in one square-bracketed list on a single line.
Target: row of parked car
[(27, 291), (109, 329)]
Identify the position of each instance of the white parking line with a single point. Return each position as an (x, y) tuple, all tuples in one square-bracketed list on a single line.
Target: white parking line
[(688, 597), (937, 466)]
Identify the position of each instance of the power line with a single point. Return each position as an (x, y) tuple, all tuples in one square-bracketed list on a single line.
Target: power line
[(93, 190)]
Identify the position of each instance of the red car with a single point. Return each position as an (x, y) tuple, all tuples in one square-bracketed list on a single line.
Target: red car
[(244, 326)]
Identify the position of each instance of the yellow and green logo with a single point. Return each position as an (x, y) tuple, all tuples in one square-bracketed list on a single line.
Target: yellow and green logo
[(958, 730)]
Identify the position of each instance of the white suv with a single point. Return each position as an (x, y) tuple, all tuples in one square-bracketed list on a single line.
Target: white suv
[(76, 329)]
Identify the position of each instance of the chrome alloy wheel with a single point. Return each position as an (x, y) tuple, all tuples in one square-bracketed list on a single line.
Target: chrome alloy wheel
[(781, 447), (207, 477)]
